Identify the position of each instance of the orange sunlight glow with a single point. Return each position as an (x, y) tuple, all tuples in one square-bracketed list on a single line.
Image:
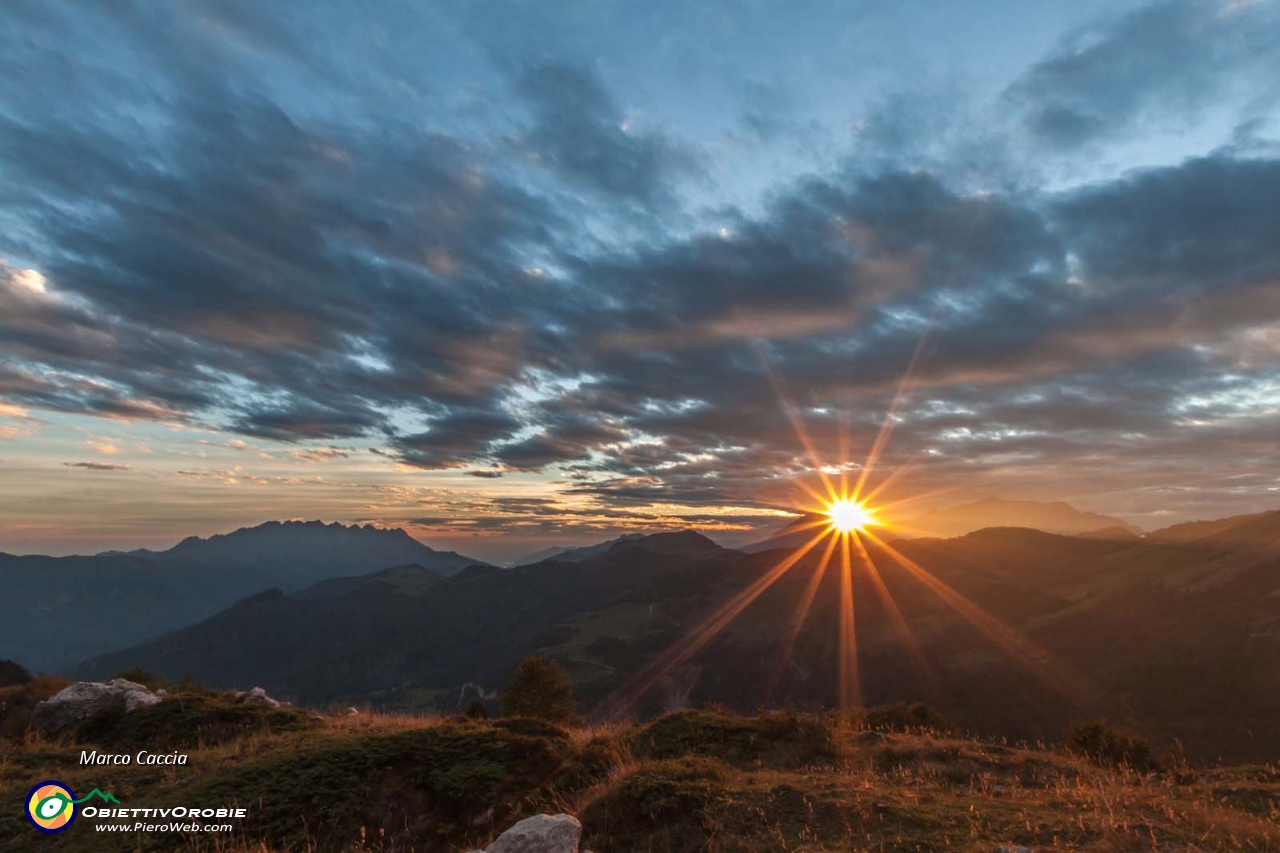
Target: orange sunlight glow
[(840, 518)]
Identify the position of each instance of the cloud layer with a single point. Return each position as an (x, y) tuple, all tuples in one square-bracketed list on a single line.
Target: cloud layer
[(236, 221)]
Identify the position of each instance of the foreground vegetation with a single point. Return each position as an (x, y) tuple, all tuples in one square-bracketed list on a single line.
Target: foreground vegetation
[(690, 781)]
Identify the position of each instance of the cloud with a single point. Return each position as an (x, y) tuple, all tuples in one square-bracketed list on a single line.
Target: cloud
[(98, 466), (580, 134), (455, 439), (253, 264), (319, 454), (1164, 60)]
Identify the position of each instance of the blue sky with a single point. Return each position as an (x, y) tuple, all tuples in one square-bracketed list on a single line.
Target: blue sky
[(516, 273)]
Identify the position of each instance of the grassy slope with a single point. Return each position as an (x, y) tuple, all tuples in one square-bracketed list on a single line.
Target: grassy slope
[(688, 782)]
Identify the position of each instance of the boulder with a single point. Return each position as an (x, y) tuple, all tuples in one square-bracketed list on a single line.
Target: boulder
[(85, 698), (257, 696), (542, 833)]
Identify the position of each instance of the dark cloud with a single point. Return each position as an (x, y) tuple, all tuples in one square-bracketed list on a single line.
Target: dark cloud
[(1197, 229), (564, 437), (456, 439), (98, 466), (1165, 59), (301, 419), (580, 134)]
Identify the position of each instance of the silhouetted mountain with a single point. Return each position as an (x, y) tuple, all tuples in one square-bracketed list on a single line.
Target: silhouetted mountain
[(794, 535), (1250, 526), (410, 579), (573, 553), (379, 642), (1111, 533), (335, 548), (1051, 517), (1055, 517), (55, 610), (544, 554), (1176, 639)]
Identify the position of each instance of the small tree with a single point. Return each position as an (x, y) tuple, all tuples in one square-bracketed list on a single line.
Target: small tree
[(541, 689), (1098, 741)]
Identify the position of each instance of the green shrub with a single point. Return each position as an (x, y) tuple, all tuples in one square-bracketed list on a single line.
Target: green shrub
[(1104, 744), (540, 689)]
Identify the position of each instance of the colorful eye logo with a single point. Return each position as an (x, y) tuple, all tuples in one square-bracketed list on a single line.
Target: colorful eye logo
[(51, 806)]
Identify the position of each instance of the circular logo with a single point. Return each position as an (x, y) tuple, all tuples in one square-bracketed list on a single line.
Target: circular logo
[(51, 806)]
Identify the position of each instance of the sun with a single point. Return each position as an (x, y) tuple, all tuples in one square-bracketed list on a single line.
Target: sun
[(847, 515)]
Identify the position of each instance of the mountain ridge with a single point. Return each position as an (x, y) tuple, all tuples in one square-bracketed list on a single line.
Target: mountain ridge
[(573, 553), (1164, 632), (57, 608)]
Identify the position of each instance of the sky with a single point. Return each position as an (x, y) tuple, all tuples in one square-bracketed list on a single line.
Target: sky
[(511, 274)]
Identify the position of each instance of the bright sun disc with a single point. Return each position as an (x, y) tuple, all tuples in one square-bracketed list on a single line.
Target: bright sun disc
[(848, 515)]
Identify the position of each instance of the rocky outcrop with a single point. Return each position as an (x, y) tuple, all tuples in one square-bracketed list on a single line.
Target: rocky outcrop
[(258, 696), (85, 698), (544, 833)]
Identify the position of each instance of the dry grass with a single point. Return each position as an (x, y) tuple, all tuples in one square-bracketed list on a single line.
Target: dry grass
[(890, 792)]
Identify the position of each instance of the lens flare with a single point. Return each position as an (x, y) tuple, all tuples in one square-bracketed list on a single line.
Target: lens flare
[(847, 515), (839, 518)]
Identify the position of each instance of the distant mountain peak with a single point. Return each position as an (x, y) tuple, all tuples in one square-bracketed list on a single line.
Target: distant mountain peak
[(574, 553), (679, 541), (363, 547), (1048, 516)]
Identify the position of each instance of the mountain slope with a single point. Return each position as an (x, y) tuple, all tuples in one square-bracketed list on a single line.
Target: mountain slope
[(376, 641), (793, 535), (1051, 517), (1173, 638), (574, 553), (57, 610), (316, 548)]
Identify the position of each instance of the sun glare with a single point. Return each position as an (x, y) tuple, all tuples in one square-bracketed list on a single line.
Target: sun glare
[(847, 515)]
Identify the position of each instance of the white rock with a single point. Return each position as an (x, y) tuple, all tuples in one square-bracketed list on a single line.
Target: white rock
[(86, 698), (542, 833), (257, 696), (137, 699)]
